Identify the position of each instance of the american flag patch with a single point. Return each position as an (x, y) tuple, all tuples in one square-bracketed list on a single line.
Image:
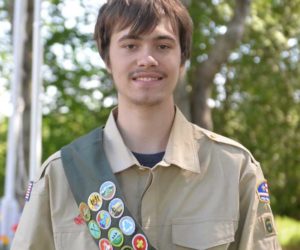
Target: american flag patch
[(263, 192), (28, 192)]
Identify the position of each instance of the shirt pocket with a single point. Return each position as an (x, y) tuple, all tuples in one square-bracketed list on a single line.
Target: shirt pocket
[(75, 238), (192, 233)]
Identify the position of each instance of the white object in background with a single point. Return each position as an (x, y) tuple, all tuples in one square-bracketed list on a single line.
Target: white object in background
[(10, 210), (36, 113)]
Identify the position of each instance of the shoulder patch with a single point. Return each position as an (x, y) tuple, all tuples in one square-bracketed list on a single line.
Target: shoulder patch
[(263, 192), (225, 140), (269, 226)]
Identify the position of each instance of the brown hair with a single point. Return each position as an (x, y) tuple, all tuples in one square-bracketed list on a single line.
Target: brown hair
[(143, 16)]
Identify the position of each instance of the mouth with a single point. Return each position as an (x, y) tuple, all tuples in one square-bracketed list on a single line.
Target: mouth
[(147, 77)]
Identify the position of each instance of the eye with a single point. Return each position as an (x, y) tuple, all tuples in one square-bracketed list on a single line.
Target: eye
[(163, 46), (130, 46)]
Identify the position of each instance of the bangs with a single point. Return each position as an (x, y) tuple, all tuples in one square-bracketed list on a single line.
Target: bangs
[(142, 16)]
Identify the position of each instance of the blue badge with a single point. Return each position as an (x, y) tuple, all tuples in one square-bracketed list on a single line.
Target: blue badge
[(103, 219), (107, 190), (116, 208), (127, 225), (263, 192)]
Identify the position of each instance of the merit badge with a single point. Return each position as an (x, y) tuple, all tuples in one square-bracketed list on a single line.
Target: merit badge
[(107, 190), (79, 220), (28, 192), (84, 211), (268, 225), (116, 208), (95, 201), (263, 192), (139, 242), (104, 244), (104, 220), (127, 225), (126, 248), (94, 229), (115, 237)]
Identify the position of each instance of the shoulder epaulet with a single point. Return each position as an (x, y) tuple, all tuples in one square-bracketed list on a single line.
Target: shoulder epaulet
[(225, 140), (42, 169)]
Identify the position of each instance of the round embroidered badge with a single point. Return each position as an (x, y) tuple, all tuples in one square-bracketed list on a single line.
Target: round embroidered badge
[(127, 225), (95, 201), (107, 190), (104, 220), (85, 212), (115, 237), (104, 244), (94, 229), (126, 248), (116, 208), (139, 242)]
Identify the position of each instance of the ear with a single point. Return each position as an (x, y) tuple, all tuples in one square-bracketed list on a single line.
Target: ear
[(107, 64)]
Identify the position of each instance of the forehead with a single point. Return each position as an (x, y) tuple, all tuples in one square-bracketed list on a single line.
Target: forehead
[(163, 28)]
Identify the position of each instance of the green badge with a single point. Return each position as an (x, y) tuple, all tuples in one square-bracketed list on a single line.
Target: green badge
[(126, 248), (94, 229), (115, 237), (269, 225)]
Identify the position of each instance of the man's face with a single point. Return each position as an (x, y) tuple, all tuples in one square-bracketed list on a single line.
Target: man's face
[(145, 68)]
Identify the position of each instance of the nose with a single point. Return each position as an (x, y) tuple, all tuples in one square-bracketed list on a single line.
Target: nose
[(147, 61)]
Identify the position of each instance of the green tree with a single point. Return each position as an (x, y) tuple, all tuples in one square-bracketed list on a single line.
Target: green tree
[(257, 93)]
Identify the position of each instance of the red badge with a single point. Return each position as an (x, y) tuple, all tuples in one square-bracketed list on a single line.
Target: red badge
[(104, 244), (139, 242), (78, 220)]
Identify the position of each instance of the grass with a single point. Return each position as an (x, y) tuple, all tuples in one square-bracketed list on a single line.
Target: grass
[(288, 232)]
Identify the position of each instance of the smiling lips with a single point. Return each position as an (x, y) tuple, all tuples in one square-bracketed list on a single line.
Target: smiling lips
[(147, 76)]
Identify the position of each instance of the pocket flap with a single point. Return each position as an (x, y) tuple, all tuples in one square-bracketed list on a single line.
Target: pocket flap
[(202, 234)]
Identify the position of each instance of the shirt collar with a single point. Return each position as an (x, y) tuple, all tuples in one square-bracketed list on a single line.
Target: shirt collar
[(181, 148)]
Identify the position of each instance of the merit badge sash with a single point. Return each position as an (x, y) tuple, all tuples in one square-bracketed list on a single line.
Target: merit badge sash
[(99, 197)]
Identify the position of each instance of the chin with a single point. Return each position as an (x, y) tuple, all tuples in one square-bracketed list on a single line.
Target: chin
[(148, 102)]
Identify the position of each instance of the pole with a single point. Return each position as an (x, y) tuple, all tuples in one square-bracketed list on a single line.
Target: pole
[(36, 114), (9, 206)]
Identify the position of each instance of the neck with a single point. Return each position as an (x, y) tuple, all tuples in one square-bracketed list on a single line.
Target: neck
[(146, 129)]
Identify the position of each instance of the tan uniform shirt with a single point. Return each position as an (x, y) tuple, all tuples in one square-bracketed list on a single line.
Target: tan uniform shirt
[(202, 195)]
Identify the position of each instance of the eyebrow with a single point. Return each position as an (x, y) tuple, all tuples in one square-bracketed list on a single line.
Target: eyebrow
[(136, 37)]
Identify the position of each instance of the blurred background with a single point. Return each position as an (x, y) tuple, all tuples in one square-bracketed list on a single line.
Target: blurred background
[(243, 81)]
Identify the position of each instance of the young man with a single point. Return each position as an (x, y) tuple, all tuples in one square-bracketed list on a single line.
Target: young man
[(167, 184)]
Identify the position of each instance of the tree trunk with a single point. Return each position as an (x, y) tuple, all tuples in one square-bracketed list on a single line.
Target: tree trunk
[(205, 72)]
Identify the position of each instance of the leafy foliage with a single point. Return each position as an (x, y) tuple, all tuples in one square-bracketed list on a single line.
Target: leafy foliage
[(259, 103)]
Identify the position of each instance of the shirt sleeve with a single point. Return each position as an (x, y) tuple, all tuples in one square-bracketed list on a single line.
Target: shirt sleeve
[(256, 229), (34, 231)]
